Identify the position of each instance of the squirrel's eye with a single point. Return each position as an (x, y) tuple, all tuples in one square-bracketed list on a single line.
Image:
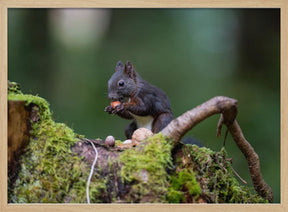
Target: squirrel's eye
[(121, 83)]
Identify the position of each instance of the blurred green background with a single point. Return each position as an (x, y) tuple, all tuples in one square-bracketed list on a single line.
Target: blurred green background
[(68, 55)]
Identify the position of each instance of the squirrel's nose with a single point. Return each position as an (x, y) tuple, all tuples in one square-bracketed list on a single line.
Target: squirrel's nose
[(112, 96)]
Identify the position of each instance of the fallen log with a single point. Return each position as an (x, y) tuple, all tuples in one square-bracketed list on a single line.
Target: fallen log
[(53, 163)]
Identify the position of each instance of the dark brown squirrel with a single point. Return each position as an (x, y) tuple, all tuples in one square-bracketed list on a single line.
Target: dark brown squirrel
[(148, 105)]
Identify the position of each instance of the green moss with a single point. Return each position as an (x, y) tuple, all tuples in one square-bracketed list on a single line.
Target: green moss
[(183, 184), (50, 172), (13, 88), (43, 105), (175, 196), (187, 179), (144, 168), (117, 142), (218, 181)]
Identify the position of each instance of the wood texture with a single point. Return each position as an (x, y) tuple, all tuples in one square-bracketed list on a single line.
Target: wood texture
[(4, 4), (144, 3), (284, 103), (18, 133), (3, 106)]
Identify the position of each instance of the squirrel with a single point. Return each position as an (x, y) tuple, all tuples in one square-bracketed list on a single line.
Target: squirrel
[(147, 105)]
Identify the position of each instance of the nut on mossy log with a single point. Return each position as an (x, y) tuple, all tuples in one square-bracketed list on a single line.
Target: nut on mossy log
[(110, 141), (141, 134)]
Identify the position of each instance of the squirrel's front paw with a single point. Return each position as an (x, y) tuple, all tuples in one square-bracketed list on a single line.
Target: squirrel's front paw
[(118, 109), (108, 109)]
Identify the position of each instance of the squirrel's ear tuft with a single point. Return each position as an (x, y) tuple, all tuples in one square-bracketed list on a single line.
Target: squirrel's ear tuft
[(129, 70), (119, 66)]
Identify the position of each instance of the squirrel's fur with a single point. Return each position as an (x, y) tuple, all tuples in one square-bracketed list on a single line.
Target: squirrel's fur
[(148, 105)]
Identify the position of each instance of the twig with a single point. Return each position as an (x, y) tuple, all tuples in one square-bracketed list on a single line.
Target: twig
[(91, 172), (243, 181), (253, 162), (177, 128), (225, 137)]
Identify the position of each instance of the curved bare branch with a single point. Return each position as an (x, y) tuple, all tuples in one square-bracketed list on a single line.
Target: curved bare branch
[(177, 128), (253, 162)]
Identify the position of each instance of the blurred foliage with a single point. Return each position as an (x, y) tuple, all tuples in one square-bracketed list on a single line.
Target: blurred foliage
[(192, 54)]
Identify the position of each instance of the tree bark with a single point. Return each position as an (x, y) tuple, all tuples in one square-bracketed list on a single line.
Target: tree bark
[(159, 169)]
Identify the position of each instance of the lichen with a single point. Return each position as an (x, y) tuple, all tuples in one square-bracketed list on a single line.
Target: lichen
[(50, 172)]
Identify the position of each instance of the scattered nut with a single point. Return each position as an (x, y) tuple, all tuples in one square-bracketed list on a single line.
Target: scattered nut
[(141, 134), (110, 141), (129, 141), (115, 103)]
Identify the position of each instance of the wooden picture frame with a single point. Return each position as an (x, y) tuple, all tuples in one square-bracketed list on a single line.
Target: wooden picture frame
[(6, 4)]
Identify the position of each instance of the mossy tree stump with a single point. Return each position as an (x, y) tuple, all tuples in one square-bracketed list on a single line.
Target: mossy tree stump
[(54, 164)]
